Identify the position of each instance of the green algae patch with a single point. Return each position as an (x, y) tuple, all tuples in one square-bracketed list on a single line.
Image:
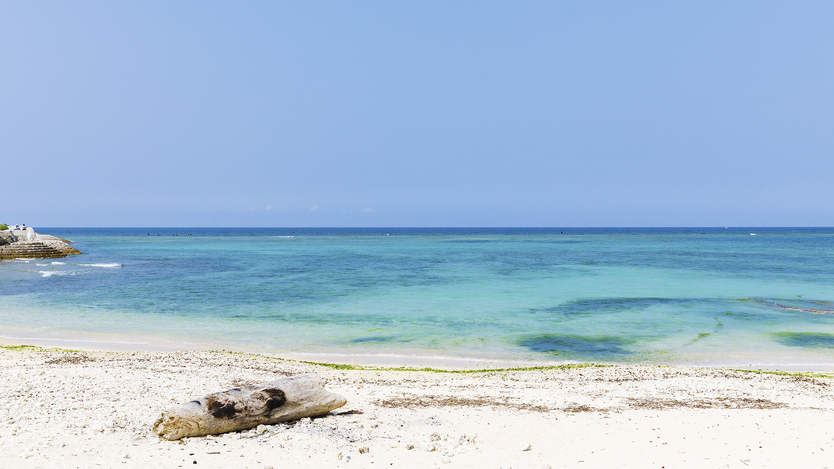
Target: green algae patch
[(805, 339), (502, 370), (569, 366), (348, 367), (35, 348), (702, 335), (338, 366), (799, 374)]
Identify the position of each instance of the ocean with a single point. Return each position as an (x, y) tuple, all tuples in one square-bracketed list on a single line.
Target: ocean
[(745, 297)]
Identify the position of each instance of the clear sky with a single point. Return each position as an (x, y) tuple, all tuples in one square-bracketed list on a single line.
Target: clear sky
[(422, 113)]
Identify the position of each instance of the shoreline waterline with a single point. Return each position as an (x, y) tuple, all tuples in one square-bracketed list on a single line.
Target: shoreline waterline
[(382, 360)]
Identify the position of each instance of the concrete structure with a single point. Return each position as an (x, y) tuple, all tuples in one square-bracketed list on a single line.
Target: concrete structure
[(26, 244), (24, 235)]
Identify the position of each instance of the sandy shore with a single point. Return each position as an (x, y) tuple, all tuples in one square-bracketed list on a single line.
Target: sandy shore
[(95, 409)]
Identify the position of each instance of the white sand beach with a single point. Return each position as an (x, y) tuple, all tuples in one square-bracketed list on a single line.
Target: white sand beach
[(95, 409)]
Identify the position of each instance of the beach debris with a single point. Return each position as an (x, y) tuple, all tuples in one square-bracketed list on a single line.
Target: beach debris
[(526, 446), (246, 407)]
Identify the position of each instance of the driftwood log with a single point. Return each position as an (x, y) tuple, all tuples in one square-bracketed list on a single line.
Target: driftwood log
[(247, 407)]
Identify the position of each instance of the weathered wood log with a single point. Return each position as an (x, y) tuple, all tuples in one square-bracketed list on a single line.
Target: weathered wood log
[(247, 407)]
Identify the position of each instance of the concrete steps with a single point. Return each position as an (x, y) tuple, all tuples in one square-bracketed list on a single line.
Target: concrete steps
[(35, 250)]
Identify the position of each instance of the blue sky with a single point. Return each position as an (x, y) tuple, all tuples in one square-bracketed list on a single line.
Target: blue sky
[(417, 114)]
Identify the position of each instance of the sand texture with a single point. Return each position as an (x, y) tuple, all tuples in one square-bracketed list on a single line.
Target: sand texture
[(96, 409)]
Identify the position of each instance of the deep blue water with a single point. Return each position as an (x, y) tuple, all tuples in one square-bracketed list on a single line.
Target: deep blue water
[(646, 295)]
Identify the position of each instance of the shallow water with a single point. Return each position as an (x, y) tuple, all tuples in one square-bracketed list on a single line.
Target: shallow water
[(677, 296)]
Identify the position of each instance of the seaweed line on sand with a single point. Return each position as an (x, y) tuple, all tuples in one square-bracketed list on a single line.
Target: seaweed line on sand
[(347, 367), (634, 403)]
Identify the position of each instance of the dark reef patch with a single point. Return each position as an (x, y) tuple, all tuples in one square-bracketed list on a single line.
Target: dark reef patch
[(577, 344), (472, 241), (805, 339), (375, 339), (804, 306), (613, 305)]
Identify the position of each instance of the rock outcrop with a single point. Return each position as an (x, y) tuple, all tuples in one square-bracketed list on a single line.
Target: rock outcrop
[(6, 237), (39, 246)]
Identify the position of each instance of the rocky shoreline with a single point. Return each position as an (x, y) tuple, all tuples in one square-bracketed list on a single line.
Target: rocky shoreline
[(38, 246)]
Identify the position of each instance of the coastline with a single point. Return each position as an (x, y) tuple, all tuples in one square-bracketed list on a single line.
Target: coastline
[(79, 409), (400, 357)]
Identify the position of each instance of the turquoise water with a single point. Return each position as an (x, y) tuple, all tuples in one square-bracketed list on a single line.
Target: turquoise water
[(677, 296)]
